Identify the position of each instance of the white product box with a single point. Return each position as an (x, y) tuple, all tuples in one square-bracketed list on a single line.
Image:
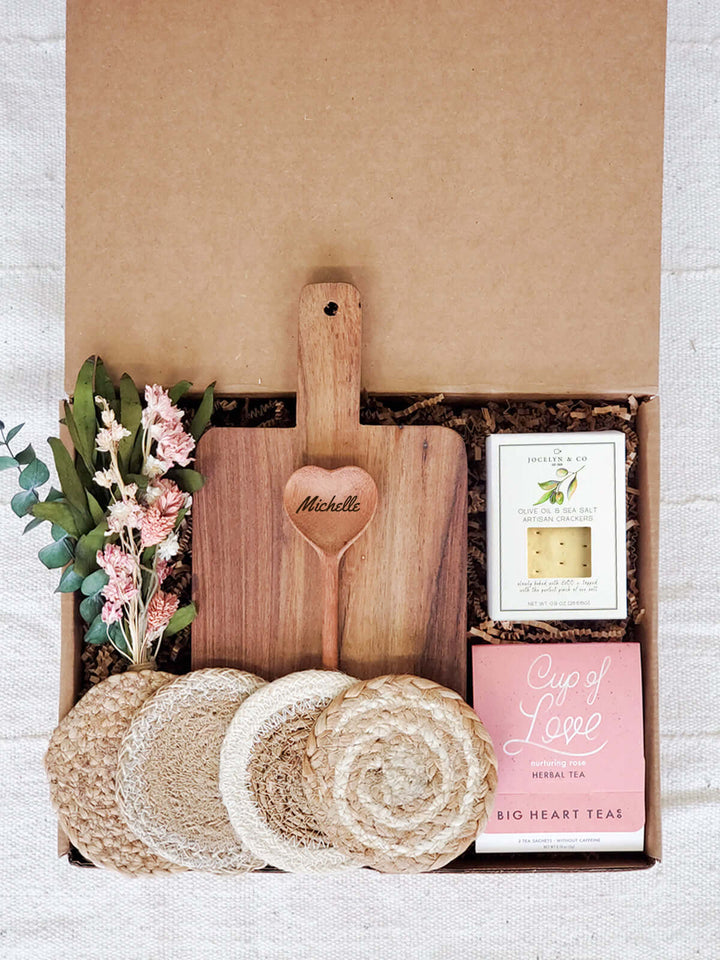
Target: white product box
[(556, 526)]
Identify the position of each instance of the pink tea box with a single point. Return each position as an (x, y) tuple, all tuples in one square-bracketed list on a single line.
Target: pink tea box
[(566, 721)]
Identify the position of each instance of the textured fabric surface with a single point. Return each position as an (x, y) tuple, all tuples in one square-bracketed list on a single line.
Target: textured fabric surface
[(50, 910)]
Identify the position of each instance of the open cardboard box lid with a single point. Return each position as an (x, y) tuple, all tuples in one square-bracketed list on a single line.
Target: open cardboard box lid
[(488, 174)]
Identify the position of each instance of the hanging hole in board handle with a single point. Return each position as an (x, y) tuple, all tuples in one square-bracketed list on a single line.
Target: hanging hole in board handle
[(330, 308)]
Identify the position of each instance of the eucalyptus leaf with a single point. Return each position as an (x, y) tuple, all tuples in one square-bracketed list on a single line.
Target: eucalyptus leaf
[(180, 619), (54, 494), (55, 554), (69, 581), (13, 432), (22, 503), (87, 548), (188, 480), (58, 513), (179, 390), (117, 638), (90, 607), (70, 481), (94, 583), (35, 474), (7, 462), (27, 455), (83, 410), (33, 523), (97, 632), (57, 532), (130, 417), (203, 414)]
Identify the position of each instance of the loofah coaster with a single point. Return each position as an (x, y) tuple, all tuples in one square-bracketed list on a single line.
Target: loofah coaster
[(81, 764), (401, 774), (261, 772), (167, 781)]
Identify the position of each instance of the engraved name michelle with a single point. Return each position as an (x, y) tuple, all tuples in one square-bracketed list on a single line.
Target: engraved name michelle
[(318, 505)]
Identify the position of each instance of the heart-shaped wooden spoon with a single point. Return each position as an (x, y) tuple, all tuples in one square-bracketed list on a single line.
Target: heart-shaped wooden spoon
[(330, 509)]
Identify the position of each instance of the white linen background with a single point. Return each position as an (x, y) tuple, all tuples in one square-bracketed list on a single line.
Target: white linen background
[(49, 909)]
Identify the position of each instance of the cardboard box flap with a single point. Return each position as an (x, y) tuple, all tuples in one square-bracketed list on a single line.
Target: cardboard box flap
[(489, 176)]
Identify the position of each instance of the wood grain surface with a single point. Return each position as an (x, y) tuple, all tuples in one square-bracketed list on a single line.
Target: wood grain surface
[(258, 584)]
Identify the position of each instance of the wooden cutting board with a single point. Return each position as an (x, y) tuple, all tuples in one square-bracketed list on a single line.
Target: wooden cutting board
[(257, 583)]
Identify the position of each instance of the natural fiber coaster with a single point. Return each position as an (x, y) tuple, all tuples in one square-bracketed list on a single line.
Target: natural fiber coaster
[(81, 764), (261, 772), (167, 782), (400, 773)]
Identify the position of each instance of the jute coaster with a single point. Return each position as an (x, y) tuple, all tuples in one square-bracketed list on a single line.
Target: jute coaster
[(400, 773), (81, 764), (167, 781), (261, 772)]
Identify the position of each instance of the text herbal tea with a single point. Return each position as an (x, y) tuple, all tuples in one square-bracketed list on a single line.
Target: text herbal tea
[(566, 723)]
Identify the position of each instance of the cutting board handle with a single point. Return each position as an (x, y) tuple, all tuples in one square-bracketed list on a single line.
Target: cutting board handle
[(329, 348)]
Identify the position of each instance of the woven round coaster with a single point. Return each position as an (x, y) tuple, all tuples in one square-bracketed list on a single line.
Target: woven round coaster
[(167, 780), (261, 772), (81, 764), (401, 774)]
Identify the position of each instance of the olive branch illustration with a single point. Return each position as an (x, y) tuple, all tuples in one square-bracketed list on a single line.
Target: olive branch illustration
[(553, 488)]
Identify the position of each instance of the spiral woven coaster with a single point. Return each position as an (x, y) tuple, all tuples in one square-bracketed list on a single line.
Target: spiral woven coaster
[(261, 772), (401, 774), (81, 764), (167, 780)]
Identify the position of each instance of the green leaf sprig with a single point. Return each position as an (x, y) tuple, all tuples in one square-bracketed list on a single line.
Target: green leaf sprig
[(553, 489)]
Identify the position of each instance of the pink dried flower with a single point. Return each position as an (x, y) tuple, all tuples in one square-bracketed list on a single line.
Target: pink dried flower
[(111, 612), (162, 570), (160, 610), (158, 521), (159, 406), (114, 561), (155, 527), (175, 446), (121, 568)]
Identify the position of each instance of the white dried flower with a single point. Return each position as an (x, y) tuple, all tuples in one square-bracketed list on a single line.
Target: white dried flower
[(109, 438), (152, 469), (105, 478), (168, 548), (123, 514)]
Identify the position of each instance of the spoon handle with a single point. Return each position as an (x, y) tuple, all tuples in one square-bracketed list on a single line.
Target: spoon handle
[(331, 577)]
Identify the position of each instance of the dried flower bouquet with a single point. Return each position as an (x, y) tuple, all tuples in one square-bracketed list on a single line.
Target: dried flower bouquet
[(123, 499)]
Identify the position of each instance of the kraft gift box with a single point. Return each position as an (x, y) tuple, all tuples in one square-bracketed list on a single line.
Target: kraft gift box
[(488, 175)]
